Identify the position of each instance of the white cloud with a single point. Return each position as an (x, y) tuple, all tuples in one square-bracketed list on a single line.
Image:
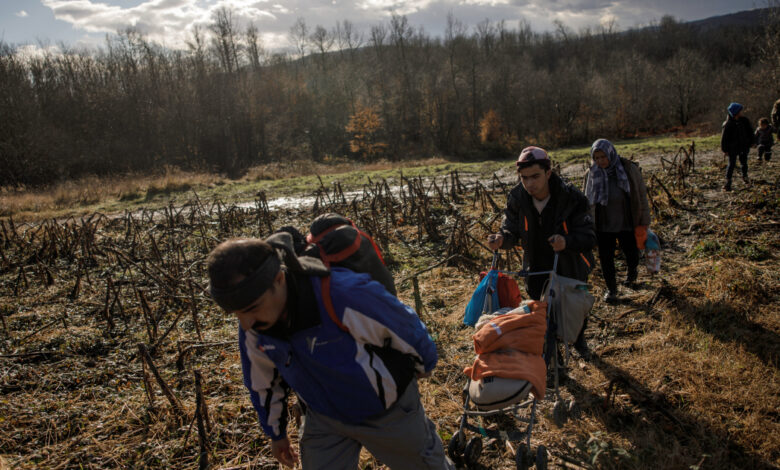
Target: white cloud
[(400, 7), (170, 22), (21, 14)]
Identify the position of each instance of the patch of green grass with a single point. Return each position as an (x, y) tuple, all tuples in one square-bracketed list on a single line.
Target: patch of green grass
[(627, 148), (740, 249), (706, 249), (177, 189)]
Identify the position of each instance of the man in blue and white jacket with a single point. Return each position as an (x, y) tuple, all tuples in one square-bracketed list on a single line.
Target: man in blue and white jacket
[(349, 350)]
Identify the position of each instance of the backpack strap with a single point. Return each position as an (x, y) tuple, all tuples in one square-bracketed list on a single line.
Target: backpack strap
[(376, 248), (327, 301), (316, 239), (341, 255)]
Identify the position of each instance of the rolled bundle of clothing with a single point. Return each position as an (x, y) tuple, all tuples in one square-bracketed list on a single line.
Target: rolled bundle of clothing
[(509, 360)]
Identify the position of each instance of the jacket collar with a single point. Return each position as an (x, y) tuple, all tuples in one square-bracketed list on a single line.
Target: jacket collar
[(302, 310), (559, 196)]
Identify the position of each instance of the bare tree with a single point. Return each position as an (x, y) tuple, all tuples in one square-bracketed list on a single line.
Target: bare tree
[(684, 75), (299, 38), (322, 41), (378, 37), (224, 39), (254, 47), (347, 38), (769, 47)]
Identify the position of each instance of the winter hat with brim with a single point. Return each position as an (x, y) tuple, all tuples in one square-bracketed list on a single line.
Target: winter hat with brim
[(734, 109), (531, 154)]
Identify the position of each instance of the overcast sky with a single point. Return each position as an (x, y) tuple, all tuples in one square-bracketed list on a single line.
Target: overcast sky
[(170, 22)]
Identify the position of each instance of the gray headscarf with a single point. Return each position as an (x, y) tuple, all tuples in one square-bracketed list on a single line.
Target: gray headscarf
[(598, 187)]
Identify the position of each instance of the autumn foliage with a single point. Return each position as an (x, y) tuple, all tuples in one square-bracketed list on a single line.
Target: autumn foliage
[(364, 127)]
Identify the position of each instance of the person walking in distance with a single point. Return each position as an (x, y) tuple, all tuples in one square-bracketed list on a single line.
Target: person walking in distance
[(735, 142), (764, 139), (547, 215)]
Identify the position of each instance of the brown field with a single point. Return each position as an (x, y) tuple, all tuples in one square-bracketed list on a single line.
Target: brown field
[(686, 374)]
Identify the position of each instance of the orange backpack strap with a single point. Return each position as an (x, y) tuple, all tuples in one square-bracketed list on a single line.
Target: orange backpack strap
[(347, 252), (585, 259), (312, 239), (341, 255), (376, 248), (328, 303), (565, 228), (525, 220)]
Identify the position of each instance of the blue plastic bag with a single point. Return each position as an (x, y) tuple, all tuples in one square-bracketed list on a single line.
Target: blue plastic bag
[(652, 253), (652, 243), (484, 299)]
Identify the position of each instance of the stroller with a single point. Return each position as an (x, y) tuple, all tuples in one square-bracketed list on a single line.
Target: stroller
[(517, 403)]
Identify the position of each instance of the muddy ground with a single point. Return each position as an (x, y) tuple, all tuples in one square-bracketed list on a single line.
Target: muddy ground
[(685, 373)]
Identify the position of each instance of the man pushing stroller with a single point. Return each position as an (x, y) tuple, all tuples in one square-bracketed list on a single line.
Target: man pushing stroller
[(547, 216)]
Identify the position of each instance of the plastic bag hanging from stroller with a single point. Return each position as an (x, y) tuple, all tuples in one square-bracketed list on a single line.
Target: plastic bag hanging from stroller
[(570, 302), (495, 290), (485, 297)]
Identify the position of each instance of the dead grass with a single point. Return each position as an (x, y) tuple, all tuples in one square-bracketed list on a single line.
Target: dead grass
[(686, 375), (66, 198), (91, 191), (331, 166)]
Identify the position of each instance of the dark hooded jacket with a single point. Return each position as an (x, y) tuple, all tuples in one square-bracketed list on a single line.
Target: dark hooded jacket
[(737, 136), (566, 213)]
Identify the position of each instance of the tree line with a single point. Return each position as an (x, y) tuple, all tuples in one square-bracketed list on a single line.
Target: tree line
[(225, 103)]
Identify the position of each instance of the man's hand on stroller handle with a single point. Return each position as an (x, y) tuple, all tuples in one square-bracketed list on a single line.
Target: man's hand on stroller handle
[(495, 240), (558, 242)]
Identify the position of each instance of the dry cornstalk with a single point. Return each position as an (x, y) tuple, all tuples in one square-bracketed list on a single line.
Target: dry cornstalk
[(204, 426), (175, 404)]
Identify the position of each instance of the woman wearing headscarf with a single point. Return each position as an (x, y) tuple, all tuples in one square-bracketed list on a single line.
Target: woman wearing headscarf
[(621, 212)]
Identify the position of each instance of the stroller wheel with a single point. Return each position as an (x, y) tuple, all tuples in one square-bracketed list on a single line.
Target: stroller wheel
[(456, 445), (541, 458), (521, 457), (473, 451), (559, 413)]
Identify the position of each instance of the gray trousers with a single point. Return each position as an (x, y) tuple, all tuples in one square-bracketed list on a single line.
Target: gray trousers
[(402, 438)]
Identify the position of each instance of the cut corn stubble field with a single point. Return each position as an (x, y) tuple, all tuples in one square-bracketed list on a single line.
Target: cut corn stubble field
[(111, 356)]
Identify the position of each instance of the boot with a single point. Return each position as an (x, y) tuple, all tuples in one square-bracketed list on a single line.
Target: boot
[(630, 278), (581, 346), (746, 180), (727, 186), (610, 296)]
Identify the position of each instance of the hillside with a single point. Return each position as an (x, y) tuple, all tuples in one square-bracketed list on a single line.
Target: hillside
[(686, 373)]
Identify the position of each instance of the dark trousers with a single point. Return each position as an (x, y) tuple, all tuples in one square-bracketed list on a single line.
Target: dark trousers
[(765, 151), (733, 163), (608, 241)]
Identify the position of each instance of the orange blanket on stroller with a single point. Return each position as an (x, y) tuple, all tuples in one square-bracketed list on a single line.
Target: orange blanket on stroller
[(510, 346)]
